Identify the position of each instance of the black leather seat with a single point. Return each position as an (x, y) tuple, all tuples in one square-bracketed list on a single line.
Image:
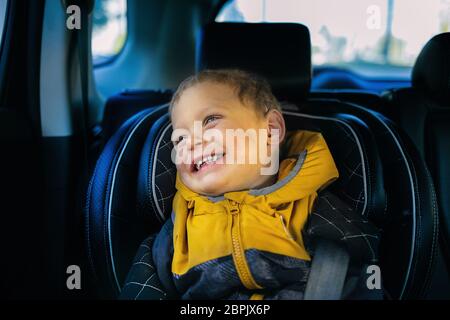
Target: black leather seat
[(133, 185), (132, 188), (423, 112)]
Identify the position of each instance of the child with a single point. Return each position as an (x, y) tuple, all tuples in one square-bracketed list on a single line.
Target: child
[(235, 232)]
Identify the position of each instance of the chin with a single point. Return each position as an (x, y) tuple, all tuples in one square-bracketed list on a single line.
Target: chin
[(215, 188), (211, 190), (209, 185)]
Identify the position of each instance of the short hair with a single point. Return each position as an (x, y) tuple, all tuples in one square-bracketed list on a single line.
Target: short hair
[(249, 87)]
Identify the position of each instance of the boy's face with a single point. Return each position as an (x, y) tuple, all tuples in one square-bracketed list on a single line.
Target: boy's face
[(213, 164)]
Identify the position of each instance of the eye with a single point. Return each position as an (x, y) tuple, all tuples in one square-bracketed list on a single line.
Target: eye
[(210, 119), (178, 140)]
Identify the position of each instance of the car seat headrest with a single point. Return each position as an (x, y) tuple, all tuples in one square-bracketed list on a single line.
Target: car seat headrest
[(431, 71), (281, 52)]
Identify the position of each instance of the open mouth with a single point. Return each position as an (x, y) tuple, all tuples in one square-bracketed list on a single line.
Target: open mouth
[(209, 160)]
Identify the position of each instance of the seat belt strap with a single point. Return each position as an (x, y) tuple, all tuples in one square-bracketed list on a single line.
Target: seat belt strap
[(328, 272)]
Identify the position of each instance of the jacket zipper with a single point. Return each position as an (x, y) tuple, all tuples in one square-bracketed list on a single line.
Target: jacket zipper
[(238, 252), (284, 227)]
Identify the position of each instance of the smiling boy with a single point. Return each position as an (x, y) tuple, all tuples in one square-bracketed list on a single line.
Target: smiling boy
[(236, 232)]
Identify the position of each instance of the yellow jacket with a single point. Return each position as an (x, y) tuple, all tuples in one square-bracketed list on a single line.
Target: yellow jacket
[(268, 220)]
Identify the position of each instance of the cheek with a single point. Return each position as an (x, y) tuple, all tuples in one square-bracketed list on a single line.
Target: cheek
[(253, 147), (181, 154), (183, 169)]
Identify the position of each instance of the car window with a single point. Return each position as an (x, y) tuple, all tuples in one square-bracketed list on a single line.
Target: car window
[(3, 7), (109, 29), (366, 36)]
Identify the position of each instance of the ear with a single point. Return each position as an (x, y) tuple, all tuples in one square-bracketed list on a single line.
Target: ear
[(275, 121)]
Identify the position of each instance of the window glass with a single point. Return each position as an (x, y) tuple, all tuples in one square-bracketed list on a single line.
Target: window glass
[(3, 7), (361, 35), (109, 29)]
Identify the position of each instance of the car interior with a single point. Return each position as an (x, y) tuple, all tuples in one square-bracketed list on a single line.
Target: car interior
[(86, 172)]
